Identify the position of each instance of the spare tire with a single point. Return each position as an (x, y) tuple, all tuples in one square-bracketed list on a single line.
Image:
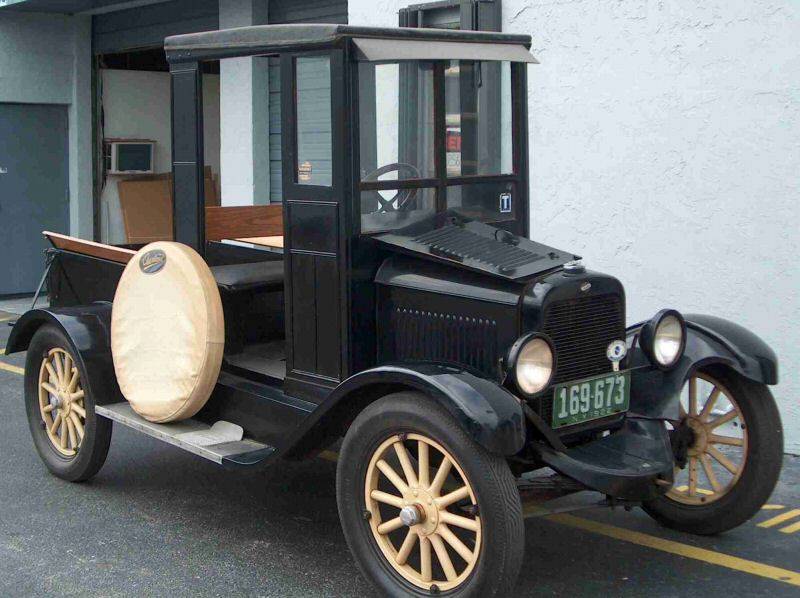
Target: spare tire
[(167, 332)]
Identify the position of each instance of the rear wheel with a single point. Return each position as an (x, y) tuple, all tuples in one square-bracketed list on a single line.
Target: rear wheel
[(733, 458), (423, 507), (70, 438)]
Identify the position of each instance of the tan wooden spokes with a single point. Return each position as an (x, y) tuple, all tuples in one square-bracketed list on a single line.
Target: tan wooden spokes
[(409, 502), (717, 456), (61, 402)]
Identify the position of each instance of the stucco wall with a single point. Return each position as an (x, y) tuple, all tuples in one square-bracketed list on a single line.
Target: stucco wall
[(46, 59), (665, 148)]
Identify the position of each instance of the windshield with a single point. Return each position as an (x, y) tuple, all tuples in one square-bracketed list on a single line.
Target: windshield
[(435, 135)]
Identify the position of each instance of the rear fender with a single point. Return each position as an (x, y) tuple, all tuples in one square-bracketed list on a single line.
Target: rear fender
[(88, 329), (491, 415), (709, 341)]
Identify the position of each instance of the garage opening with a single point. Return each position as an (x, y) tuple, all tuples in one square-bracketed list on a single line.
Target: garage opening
[(134, 139), (241, 113)]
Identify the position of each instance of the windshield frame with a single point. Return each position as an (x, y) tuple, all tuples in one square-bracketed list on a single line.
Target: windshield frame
[(518, 220)]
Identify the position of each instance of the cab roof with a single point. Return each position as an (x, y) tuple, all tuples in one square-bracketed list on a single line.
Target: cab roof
[(372, 43)]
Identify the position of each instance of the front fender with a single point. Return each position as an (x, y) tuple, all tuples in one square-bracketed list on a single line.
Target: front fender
[(719, 340), (88, 329), (491, 415), (709, 340)]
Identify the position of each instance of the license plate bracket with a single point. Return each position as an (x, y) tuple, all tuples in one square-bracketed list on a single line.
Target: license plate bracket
[(580, 401)]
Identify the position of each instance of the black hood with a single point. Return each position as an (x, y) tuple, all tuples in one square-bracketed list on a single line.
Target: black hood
[(457, 241)]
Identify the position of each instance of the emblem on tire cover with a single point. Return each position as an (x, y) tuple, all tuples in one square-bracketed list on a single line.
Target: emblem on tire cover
[(152, 261)]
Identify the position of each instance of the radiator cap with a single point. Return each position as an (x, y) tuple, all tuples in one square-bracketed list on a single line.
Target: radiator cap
[(574, 267)]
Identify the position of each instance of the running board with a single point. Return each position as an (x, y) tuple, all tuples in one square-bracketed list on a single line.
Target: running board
[(192, 436)]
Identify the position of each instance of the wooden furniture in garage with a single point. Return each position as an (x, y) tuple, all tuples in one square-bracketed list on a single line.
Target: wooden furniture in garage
[(146, 204)]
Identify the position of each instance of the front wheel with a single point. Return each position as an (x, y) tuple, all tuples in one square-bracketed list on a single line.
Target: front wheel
[(733, 458), (424, 508), (70, 438)]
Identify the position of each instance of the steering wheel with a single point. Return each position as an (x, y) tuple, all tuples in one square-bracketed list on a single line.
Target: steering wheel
[(403, 196)]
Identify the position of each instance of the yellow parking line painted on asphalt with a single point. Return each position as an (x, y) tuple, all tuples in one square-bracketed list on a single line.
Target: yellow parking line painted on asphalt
[(790, 529), (772, 507), (778, 519), (6, 319), (11, 368), (677, 548)]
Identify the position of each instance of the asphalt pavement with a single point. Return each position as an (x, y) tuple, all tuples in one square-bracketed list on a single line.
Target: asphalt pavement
[(160, 522)]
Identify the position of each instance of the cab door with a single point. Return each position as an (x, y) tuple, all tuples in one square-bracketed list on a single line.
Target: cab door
[(313, 129)]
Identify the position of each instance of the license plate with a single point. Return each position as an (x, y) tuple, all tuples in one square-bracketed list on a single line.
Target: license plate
[(593, 398)]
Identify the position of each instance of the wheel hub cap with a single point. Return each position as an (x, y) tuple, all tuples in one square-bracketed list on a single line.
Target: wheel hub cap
[(700, 433), (410, 515)]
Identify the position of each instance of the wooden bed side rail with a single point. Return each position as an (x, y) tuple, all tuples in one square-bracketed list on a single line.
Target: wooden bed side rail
[(99, 250), (234, 222)]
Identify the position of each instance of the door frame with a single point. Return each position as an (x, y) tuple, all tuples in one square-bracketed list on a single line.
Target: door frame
[(306, 207)]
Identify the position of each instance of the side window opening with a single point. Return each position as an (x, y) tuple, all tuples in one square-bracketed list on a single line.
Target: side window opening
[(314, 121)]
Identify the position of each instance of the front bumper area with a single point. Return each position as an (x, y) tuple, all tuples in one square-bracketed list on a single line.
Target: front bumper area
[(635, 463)]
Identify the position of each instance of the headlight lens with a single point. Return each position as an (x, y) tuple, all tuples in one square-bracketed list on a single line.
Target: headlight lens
[(668, 340), (663, 338), (534, 366)]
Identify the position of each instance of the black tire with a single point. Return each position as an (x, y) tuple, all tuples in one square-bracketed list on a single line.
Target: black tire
[(93, 449), (502, 544), (761, 469)]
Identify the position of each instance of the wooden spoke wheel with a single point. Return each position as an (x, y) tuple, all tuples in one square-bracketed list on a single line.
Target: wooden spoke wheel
[(731, 433), (420, 500), (424, 508), (71, 440), (61, 403), (718, 453)]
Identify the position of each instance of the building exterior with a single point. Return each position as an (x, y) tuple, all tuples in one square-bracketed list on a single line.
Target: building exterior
[(665, 137)]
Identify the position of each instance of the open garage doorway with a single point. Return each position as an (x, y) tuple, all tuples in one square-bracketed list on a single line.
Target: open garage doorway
[(134, 138)]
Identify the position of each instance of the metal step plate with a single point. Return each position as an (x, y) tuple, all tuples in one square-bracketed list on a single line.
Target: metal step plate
[(181, 434)]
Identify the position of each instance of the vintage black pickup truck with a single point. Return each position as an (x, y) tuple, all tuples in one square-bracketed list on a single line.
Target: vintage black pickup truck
[(408, 322)]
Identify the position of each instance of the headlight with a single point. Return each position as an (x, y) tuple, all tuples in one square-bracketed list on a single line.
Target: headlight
[(663, 338), (532, 362)]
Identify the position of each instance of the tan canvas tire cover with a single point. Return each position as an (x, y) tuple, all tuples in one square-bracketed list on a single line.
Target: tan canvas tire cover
[(167, 332)]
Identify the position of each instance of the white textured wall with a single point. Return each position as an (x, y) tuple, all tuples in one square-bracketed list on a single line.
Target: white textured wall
[(665, 148), (46, 59)]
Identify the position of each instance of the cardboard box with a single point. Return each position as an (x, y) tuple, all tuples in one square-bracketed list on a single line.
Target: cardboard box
[(146, 204)]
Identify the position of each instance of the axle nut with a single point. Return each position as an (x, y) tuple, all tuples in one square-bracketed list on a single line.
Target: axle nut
[(410, 515)]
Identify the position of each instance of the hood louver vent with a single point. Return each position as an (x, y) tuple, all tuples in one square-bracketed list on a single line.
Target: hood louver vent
[(457, 243), (476, 246)]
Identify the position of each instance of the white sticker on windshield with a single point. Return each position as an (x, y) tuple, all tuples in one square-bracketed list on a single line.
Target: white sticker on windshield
[(505, 203)]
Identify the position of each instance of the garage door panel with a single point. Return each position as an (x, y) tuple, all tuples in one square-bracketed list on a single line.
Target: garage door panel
[(34, 192)]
